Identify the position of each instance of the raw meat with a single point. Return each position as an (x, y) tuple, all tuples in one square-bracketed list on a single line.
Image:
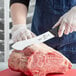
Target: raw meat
[(38, 60)]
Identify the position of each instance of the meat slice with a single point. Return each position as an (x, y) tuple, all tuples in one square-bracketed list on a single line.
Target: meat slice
[(38, 60)]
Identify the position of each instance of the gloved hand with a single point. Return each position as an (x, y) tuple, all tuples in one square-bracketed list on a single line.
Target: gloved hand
[(67, 23), (20, 32)]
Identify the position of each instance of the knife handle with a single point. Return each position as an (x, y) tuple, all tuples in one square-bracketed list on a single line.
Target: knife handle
[(54, 31)]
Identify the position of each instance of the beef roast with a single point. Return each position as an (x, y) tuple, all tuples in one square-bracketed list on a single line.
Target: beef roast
[(38, 60)]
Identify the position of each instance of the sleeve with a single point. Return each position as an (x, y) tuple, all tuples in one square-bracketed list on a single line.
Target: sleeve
[(25, 2)]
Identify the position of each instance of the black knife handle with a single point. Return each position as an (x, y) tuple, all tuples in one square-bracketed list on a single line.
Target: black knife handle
[(54, 31)]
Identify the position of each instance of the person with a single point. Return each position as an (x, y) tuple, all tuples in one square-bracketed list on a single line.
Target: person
[(48, 14)]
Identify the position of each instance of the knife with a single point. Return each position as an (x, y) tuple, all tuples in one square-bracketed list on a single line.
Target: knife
[(36, 40)]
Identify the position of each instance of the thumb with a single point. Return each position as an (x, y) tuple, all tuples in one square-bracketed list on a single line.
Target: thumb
[(33, 35)]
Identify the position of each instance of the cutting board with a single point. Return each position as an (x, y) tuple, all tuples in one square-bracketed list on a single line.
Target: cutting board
[(8, 72)]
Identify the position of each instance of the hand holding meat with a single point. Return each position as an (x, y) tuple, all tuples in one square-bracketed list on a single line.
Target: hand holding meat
[(20, 32)]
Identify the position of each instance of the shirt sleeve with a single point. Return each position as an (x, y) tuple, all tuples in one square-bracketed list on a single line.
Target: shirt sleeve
[(25, 2)]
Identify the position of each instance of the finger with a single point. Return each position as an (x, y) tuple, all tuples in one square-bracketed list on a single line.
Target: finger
[(19, 37), (61, 29), (68, 25), (58, 23), (67, 29), (71, 29), (73, 24), (29, 35), (14, 38), (74, 27), (24, 37), (33, 35)]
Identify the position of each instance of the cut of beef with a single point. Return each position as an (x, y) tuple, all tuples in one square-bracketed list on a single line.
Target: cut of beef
[(38, 60)]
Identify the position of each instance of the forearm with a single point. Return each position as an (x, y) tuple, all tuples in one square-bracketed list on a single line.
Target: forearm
[(18, 13)]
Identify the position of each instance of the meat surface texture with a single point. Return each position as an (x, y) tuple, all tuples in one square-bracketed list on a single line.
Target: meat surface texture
[(38, 60)]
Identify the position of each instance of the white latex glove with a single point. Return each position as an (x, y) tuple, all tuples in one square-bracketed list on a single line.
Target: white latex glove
[(20, 32), (67, 23)]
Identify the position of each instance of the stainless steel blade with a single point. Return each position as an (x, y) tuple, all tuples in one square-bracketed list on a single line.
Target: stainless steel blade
[(36, 40)]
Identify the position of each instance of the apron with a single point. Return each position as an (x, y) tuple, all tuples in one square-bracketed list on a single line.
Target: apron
[(47, 13)]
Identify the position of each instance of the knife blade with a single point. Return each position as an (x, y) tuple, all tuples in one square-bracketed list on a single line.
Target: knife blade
[(36, 40)]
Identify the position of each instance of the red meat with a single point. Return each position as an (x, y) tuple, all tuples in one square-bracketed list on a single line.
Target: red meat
[(38, 60)]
